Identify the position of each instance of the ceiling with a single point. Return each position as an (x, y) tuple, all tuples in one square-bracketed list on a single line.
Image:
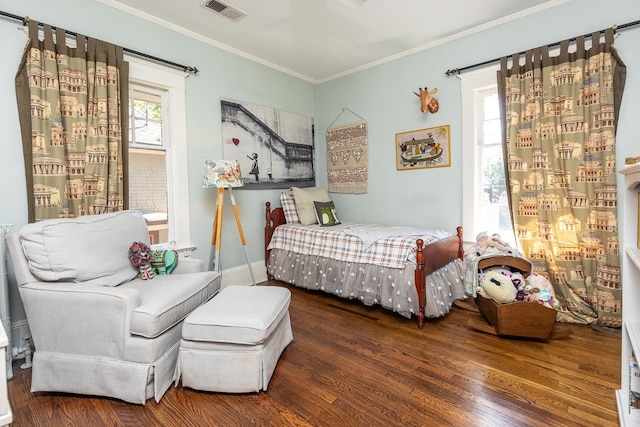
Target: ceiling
[(319, 40)]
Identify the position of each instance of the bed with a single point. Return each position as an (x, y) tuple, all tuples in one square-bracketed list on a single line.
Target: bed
[(412, 275)]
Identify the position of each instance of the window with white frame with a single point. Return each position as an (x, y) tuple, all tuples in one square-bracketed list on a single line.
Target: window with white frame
[(485, 203), (158, 152), (148, 160)]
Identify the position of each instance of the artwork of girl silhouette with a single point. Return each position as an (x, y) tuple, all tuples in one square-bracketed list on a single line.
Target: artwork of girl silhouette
[(255, 171)]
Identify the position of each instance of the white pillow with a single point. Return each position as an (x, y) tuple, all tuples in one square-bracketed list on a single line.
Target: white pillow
[(304, 198)]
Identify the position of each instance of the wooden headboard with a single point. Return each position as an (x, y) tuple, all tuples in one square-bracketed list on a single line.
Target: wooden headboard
[(274, 218)]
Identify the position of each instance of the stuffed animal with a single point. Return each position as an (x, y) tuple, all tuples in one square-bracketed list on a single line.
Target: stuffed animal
[(164, 261), (498, 287), (492, 245), (541, 291), (517, 279), (140, 256)]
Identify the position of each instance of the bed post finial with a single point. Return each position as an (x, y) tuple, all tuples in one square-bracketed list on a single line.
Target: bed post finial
[(460, 243)]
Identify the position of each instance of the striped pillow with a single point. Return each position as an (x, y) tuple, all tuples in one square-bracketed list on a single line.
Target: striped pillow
[(289, 208)]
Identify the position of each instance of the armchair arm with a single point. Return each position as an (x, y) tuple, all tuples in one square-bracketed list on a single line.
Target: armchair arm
[(188, 265), (79, 319)]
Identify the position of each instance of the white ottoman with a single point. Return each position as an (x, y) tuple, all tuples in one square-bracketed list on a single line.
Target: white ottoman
[(233, 342)]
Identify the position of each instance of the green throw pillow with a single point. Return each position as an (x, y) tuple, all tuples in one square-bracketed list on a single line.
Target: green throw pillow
[(326, 213)]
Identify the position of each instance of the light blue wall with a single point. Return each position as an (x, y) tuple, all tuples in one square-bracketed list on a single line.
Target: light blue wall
[(383, 95), (222, 75)]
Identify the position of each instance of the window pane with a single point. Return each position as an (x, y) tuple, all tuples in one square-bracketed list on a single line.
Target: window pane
[(494, 216), (491, 105), (148, 167), (146, 118), (148, 190), (491, 133)]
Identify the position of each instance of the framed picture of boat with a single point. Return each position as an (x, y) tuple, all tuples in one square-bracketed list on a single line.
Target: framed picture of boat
[(423, 148)]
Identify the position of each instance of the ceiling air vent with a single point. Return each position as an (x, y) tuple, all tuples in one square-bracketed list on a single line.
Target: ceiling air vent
[(224, 9)]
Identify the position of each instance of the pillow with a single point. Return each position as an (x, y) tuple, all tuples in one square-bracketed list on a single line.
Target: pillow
[(304, 202), (93, 249), (289, 207), (326, 214)]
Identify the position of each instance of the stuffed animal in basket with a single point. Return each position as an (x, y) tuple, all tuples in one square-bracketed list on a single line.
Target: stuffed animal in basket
[(163, 261), (519, 283), (498, 287), (140, 256), (539, 289)]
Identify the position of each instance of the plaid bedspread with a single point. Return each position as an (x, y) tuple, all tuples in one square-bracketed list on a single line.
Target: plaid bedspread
[(333, 242)]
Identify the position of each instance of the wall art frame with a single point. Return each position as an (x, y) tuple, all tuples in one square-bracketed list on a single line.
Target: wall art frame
[(275, 148), (423, 148)]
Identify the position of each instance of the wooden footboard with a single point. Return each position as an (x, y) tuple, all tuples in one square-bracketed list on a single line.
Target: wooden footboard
[(430, 258)]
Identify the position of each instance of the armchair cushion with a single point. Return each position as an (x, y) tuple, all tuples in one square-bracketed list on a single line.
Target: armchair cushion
[(167, 300), (92, 249)]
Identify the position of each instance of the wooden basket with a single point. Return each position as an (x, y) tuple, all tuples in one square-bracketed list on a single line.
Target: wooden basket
[(524, 319)]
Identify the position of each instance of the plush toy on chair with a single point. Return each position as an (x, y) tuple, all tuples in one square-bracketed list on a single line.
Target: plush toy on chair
[(140, 256), (163, 261)]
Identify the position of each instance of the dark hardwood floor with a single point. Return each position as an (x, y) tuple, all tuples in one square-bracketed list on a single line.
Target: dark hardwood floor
[(354, 365)]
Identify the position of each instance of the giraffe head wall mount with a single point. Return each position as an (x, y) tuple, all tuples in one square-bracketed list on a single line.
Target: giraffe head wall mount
[(427, 100)]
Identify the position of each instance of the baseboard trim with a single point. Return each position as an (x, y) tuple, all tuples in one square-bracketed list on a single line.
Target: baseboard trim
[(241, 275)]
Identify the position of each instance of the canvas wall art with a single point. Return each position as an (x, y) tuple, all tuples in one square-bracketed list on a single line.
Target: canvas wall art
[(275, 148)]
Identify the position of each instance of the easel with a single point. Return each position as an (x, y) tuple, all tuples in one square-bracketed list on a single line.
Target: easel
[(216, 236)]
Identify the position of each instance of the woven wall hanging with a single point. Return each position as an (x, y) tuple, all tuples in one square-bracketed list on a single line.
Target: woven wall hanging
[(347, 156)]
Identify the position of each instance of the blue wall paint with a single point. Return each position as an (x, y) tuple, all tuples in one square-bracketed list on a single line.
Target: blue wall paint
[(383, 95)]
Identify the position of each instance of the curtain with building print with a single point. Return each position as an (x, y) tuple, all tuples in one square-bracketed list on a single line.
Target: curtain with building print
[(72, 103), (560, 115)]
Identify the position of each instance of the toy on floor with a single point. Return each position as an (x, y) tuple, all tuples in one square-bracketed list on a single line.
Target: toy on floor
[(539, 289), (498, 287)]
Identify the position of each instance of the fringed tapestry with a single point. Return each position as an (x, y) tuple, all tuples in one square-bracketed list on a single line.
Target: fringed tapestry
[(348, 158)]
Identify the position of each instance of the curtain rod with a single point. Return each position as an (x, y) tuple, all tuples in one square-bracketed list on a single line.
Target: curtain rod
[(457, 71), (185, 68)]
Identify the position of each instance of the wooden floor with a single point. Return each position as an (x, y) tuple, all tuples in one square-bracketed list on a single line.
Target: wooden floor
[(354, 365)]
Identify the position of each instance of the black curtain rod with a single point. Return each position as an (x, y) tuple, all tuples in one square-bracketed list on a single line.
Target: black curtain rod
[(185, 68), (457, 71)]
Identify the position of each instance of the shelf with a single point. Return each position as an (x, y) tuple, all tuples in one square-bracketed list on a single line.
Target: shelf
[(633, 331), (626, 419), (628, 170), (628, 218), (634, 255)]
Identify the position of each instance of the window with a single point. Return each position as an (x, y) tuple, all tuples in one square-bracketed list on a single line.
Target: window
[(148, 161), (158, 152), (485, 204)]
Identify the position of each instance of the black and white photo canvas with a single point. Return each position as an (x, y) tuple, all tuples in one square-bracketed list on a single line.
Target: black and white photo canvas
[(275, 148)]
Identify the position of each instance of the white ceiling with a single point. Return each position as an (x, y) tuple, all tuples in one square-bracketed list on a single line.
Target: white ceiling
[(318, 40)]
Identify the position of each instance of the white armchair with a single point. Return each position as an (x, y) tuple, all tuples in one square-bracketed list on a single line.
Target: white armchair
[(97, 328)]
